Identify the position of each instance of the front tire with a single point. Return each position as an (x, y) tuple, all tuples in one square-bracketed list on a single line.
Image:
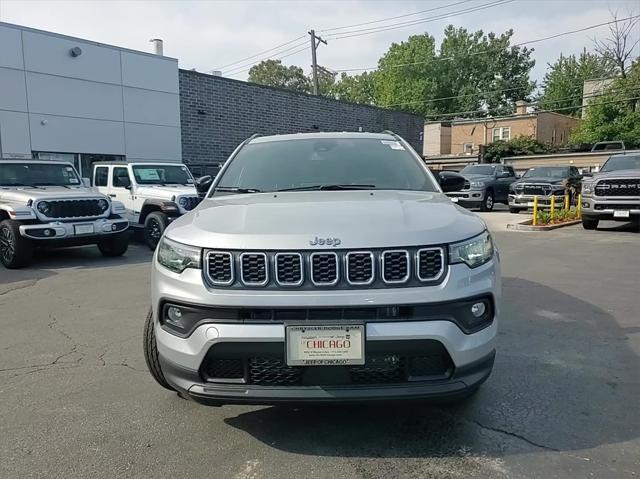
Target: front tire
[(151, 353), (487, 202), (514, 210), (15, 250), (115, 245), (589, 223), (154, 225)]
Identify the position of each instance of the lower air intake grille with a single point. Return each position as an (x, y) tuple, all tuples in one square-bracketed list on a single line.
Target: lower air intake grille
[(273, 372)]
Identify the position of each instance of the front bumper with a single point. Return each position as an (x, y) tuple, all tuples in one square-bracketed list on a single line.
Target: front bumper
[(467, 197), (471, 355), (611, 208), (526, 201), (75, 230)]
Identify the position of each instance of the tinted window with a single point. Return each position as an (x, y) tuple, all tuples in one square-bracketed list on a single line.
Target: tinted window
[(478, 170), (120, 177), (38, 174), (510, 171), (162, 175), (321, 162), (547, 172), (626, 162), (101, 176)]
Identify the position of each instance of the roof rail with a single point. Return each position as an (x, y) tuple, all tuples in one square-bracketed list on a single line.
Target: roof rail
[(389, 132)]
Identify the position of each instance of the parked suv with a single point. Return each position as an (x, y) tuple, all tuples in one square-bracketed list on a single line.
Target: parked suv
[(324, 267), (44, 204), (544, 182), (154, 194), (485, 185), (613, 193)]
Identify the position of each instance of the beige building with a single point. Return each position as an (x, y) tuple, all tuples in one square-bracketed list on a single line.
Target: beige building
[(467, 136), (592, 89)]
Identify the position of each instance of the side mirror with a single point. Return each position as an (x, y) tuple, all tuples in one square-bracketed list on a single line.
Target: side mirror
[(450, 181), (86, 182), (203, 184), (587, 174)]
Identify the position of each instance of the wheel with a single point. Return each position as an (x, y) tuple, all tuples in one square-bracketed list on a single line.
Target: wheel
[(514, 210), (487, 203), (15, 250), (154, 225), (114, 245), (589, 223), (151, 353)]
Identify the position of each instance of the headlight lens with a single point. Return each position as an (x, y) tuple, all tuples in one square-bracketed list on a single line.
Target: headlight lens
[(103, 205), (183, 202), (587, 188), (44, 207), (477, 184), (177, 257), (473, 252)]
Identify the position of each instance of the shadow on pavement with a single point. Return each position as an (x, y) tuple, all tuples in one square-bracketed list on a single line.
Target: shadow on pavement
[(563, 381)]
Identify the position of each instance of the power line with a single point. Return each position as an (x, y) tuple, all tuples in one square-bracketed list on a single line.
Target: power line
[(233, 71), (261, 53), (369, 31), (393, 18), (570, 32), (279, 58)]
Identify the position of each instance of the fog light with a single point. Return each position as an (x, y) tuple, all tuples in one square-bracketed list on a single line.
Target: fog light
[(47, 232), (114, 227), (174, 314), (478, 309)]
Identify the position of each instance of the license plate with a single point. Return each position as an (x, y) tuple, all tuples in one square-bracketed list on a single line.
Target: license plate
[(329, 345), (621, 214), (454, 199), (83, 229)]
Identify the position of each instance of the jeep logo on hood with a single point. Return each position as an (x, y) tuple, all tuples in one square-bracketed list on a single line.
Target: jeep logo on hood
[(325, 241)]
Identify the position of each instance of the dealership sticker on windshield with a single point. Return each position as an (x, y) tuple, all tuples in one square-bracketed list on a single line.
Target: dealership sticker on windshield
[(394, 145)]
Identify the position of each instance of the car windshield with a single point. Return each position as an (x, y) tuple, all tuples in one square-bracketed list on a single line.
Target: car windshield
[(324, 164), (38, 174), (162, 175), (547, 172), (627, 162), (478, 170)]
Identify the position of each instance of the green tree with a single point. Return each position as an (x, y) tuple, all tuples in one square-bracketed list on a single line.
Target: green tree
[(474, 72), (520, 145), (563, 82), (355, 88), (274, 73), (615, 115)]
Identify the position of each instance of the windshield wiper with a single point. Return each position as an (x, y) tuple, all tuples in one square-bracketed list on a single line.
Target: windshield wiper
[(330, 187), (234, 189)]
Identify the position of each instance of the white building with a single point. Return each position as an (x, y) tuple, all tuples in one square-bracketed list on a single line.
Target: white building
[(63, 97)]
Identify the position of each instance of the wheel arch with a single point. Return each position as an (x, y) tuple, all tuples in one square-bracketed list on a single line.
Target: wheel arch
[(169, 208)]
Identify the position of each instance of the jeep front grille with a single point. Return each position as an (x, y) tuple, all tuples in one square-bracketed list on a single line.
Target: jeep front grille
[(338, 269), (618, 187), (67, 209)]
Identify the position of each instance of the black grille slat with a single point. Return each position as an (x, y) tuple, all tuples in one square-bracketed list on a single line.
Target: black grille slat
[(324, 268), (379, 370), (220, 268), (225, 369), (254, 268), (289, 269), (267, 371), (64, 209), (618, 187), (395, 266), (360, 268), (430, 263)]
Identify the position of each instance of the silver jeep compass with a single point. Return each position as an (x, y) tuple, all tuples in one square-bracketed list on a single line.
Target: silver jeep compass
[(324, 267)]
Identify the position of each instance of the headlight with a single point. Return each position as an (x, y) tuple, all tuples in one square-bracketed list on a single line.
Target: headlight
[(557, 187), (587, 188), (473, 252), (183, 202), (44, 207), (103, 205), (177, 256), (477, 184)]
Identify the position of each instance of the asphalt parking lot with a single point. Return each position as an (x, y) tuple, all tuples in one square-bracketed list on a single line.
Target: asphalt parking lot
[(76, 399)]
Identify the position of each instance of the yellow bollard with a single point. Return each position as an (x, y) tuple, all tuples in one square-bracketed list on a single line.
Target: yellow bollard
[(535, 210), (553, 207), (579, 207), (566, 202)]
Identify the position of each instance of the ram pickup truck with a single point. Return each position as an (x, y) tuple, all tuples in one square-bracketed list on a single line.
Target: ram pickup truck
[(324, 267), (544, 182), (613, 193), (45, 204), (485, 186)]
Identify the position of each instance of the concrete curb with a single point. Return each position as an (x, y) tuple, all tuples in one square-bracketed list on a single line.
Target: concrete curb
[(527, 226)]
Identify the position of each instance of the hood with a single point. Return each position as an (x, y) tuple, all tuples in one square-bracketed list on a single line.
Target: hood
[(359, 219), (165, 192), (539, 180), (47, 192), (479, 177), (615, 174)]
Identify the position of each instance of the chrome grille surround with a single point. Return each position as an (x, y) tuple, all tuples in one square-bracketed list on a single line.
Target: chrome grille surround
[(441, 256), (348, 267), (254, 265), (314, 268), (279, 268), (224, 259), (395, 261)]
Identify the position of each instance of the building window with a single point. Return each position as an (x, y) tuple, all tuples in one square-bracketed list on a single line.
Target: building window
[(503, 133), (467, 148)]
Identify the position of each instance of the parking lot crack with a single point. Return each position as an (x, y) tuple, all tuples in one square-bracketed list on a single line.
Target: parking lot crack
[(512, 434), (28, 284)]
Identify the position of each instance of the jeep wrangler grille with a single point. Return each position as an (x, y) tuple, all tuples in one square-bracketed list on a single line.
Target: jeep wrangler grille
[(618, 187), (64, 209)]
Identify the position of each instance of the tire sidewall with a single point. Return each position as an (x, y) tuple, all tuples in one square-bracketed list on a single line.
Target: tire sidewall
[(22, 247), (162, 221)]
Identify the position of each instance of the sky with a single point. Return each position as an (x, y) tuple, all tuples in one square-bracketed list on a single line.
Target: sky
[(208, 35)]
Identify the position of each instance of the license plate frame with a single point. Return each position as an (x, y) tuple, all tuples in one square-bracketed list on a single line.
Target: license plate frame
[(621, 213), (298, 355), (84, 229)]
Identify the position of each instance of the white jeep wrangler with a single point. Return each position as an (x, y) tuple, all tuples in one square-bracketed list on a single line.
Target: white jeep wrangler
[(153, 193), (44, 204)]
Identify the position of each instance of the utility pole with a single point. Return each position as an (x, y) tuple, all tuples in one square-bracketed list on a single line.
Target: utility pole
[(314, 60)]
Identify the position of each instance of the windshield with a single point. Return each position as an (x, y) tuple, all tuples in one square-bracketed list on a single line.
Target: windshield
[(478, 170), (627, 162), (38, 174), (162, 175), (547, 172), (324, 164)]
